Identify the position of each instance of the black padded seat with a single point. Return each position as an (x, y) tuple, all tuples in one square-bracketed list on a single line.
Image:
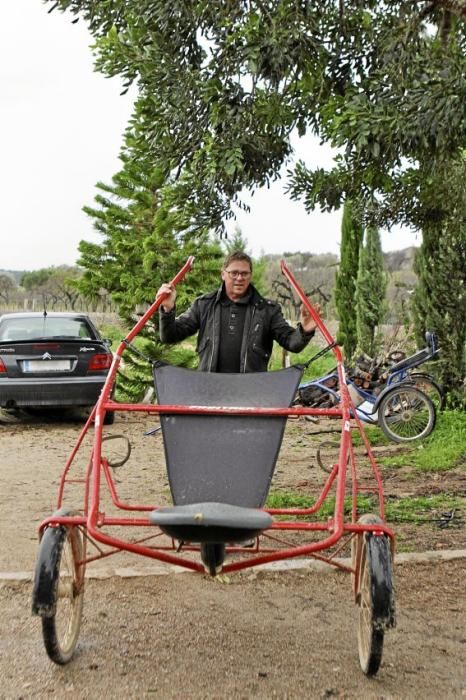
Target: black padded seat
[(223, 458), (211, 522), (412, 361)]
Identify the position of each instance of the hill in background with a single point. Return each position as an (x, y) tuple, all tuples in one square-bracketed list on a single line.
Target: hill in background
[(316, 274), (14, 274)]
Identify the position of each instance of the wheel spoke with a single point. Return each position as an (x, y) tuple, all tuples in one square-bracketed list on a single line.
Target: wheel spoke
[(65, 588), (406, 414)]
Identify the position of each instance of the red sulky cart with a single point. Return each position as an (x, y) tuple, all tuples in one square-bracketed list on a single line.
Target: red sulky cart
[(222, 434)]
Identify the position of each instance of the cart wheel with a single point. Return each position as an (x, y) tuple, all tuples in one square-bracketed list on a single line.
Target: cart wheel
[(58, 591), (374, 595), (428, 385), (213, 555), (405, 414)]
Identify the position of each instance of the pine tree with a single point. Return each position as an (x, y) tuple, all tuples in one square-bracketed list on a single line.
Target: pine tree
[(146, 239), (440, 302), (371, 285), (345, 285)]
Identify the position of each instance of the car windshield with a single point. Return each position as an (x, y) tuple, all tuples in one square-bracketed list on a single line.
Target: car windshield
[(48, 327)]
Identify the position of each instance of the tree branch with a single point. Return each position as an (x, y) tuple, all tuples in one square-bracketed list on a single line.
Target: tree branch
[(456, 7)]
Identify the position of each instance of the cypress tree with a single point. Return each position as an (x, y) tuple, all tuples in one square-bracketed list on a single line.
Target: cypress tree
[(440, 302), (345, 286), (371, 284)]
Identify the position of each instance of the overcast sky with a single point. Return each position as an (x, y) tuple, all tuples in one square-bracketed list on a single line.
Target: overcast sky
[(61, 127)]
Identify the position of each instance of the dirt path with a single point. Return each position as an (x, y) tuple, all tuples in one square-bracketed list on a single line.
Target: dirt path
[(258, 634), (284, 635)]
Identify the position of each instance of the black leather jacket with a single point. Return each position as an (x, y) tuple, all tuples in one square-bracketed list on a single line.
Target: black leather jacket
[(263, 324)]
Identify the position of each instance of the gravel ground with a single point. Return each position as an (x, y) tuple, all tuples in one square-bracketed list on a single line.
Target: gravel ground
[(258, 634)]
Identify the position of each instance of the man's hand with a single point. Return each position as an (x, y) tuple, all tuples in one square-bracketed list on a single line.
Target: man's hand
[(307, 322), (169, 303)]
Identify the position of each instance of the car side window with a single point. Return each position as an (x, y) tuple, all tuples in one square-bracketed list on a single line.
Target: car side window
[(70, 330), (85, 331)]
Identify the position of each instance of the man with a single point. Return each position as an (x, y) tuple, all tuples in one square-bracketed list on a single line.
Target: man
[(236, 326)]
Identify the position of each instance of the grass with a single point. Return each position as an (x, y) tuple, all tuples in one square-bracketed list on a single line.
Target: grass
[(444, 449), (290, 499), (414, 509), (375, 436), (316, 369), (419, 509)]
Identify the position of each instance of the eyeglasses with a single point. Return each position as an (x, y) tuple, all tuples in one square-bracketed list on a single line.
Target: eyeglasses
[(236, 274)]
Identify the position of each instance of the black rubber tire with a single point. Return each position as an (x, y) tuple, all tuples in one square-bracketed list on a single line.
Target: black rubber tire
[(61, 624), (375, 596), (427, 384), (212, 555), (405, 414)]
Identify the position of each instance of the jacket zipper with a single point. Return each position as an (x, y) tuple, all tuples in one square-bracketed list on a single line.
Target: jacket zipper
[(212, 354), (213, 342), (246, 353)]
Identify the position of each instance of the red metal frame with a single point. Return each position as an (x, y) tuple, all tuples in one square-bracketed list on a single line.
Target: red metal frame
[(272, 548)]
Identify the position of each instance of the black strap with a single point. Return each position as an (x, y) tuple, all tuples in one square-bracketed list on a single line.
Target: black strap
[(135, 351), (322, 352)]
